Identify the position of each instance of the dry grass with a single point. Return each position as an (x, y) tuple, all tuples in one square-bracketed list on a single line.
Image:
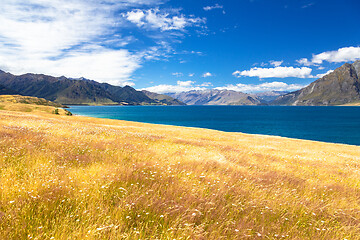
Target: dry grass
[(35, 105), (84, 178)]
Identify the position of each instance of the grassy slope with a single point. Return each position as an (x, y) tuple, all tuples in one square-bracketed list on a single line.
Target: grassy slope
[(35, 105), (78, 178)]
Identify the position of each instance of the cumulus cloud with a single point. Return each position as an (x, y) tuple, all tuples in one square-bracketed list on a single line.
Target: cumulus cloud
[(276, 72), (207, 74), (216, 6), (341, 55), (264, 87), (304, 61), (182, 86), (320, 75), (346, 54), (154, 18), (191, 74), (276, 63), (72, 37), (185, 83)]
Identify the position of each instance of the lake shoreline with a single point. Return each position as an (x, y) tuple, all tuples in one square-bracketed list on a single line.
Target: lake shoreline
[(327, 124)]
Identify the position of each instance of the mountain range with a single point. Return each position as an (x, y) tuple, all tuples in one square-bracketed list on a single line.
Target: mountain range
[(69, 91), (342, 86), (269, 96), (216, 97), (165, 99)]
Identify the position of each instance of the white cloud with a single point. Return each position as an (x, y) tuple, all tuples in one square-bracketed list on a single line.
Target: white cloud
[(216, 6), (180, 87), (161, 51), (304, 61), (207, 74), (123, 84), (136, 17), (276, 72), (114, 67), (346, 54), (320, 75), (341, 55), (155, 19), (61, 38), (185, 83), (70, 37), (264, 87), (276, 63), (191, 74)]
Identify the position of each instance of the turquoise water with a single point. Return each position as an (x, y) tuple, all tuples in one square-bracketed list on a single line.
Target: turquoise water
[(328, 124)]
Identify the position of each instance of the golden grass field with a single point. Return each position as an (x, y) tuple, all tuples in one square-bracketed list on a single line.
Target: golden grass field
[(30, 104), (71, 177)]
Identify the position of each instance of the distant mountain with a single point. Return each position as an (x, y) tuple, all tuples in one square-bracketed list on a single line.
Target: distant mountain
[(269, 96), (216, 97), (164, 99), (342, 86), (72, 91)]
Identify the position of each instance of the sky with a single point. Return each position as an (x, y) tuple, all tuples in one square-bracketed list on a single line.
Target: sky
[(173, 46)]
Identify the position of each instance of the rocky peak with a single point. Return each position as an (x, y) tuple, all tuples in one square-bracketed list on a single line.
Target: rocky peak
[(356, 66)]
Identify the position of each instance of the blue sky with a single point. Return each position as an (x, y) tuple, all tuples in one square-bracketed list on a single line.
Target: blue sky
[(168, 46)]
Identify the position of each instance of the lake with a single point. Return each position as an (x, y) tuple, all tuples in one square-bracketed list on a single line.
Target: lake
[(328, 124)]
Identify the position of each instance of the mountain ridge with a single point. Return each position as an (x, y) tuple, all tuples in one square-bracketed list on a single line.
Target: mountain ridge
[(165, 99), (72, 91), (342, 86)]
